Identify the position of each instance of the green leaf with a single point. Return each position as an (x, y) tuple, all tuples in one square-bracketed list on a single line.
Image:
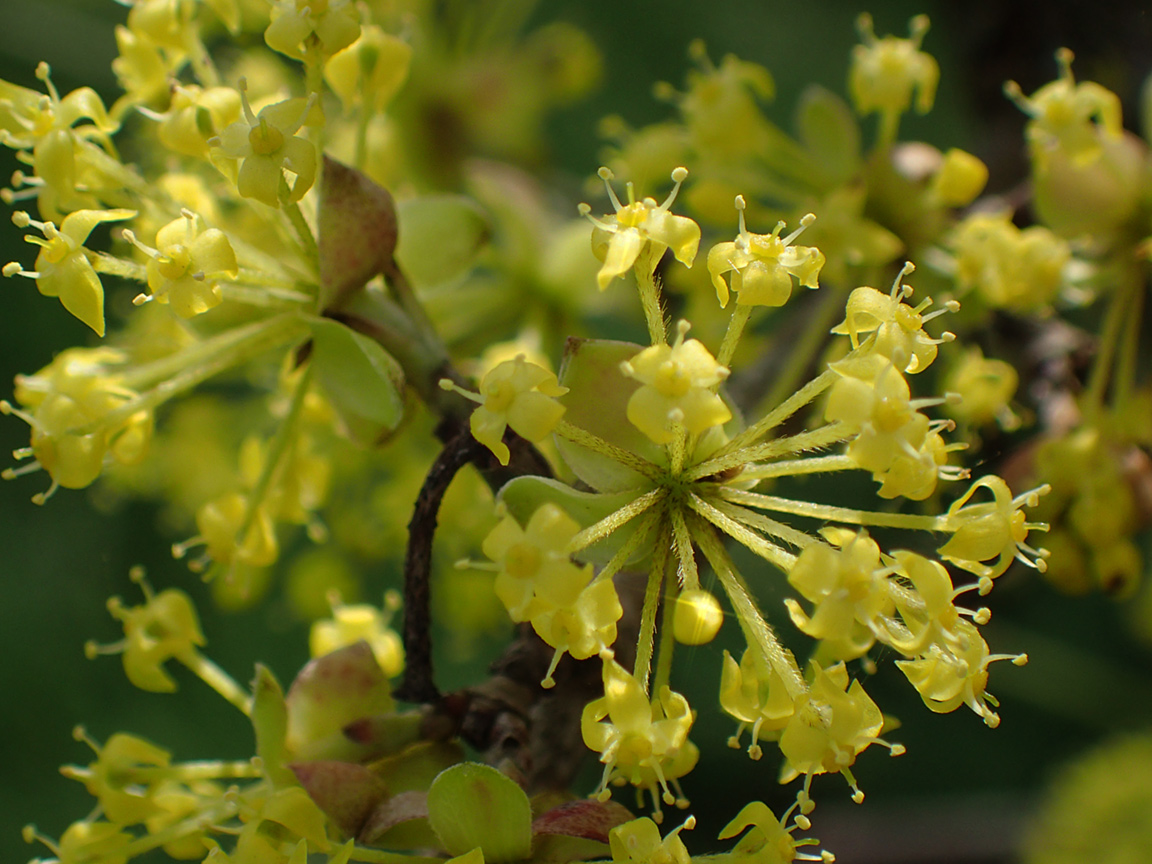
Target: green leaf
[(362, 381), (270, 722), (831, 134), (597, 401), (472, 805), (440, 237)]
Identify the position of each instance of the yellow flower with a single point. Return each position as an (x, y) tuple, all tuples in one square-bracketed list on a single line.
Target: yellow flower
[(642, 741), (641, 227), (885, 73), (194, 116), (832, 725), (67, 404), (947, 677), (111, 780), (361, 621), (585, 627), (1070, 117), (678, 383), (371, 70), (63, 268), (277, 165), (186, 268), (993, 530), (165, 627), (1009, 267), (848, 585), (763, 265), (754, 696), (639, 842), (899, 327), (536, 574), (518, 394), (331, 24)]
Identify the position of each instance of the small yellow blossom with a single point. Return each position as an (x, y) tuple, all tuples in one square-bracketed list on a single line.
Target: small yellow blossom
[(832, 725), (515, 394), (763, 265), (220, 521), (86, 840), (331, 25), (67, 404), (371, 70), (638, 228), (848, 585), (992, 530), (640, 741), (535, 573), (195, 115), (186, 267), (166, 627), (899, 328), (583, 628), (276, 164), (1070, 117), (986, 386), (755, 696), (361, 621), (110, 779), (948, 677), (639, 842), (1009, 267), (885, 73), (63, 266), (678, 383)]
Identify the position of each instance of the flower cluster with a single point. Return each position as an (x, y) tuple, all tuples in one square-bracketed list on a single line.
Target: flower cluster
[(320, 311)]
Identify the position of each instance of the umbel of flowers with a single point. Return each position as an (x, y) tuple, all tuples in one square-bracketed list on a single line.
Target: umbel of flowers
[(672, 474), (257, 256)]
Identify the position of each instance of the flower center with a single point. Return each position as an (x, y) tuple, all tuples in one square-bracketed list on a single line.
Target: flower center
[(174, 261), (265, 139)]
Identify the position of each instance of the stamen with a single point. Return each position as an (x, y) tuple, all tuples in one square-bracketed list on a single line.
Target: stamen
[(606, 175)]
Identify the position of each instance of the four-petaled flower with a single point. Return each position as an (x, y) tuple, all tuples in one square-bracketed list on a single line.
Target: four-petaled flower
[(515, 393), (63, 268), (643, 742), (641, 227), (186, 267), (332, 24), (678, 389), (763, 265), (278, 165)]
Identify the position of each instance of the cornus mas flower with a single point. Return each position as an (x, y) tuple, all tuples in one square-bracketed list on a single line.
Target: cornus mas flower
[(64, 267), (638, 740), (275, 164), (1069, 117), (186, 268), (515, 394), (332, 24), (677, 389), (886, 72), (640, 231), (81, 415), (899, 328), (763, 265)]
